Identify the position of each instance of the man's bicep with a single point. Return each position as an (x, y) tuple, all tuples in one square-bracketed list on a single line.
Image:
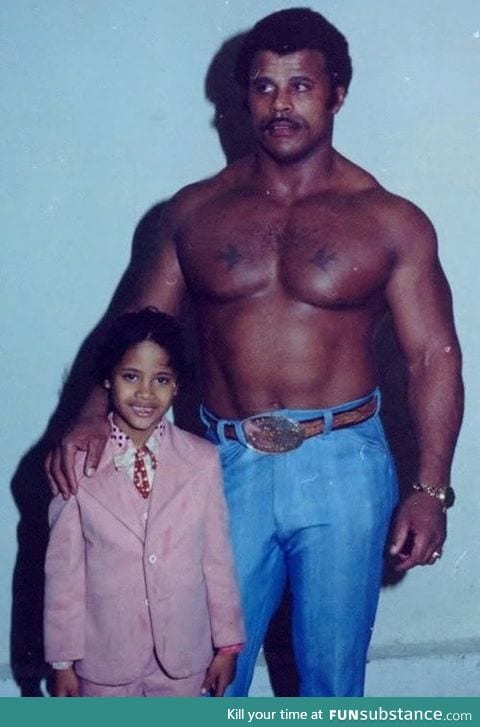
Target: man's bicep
[(420, 301), (160, 280), (153, 278)]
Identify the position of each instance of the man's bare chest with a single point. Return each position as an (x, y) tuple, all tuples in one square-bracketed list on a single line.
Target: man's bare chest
[(325, 257)]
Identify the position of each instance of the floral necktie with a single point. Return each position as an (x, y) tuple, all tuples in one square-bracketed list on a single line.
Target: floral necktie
[(140, 476)]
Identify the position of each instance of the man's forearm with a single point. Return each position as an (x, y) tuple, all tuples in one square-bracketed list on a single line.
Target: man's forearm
[(436, 406)]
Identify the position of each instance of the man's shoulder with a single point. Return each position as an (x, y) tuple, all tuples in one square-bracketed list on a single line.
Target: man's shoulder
[(350, 178), (401, 227), (393, 213), (402, 220), (358, 182), (189, 199), (394, 221)]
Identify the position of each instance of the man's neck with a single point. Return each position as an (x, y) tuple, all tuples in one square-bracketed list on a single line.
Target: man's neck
[(290, 181)]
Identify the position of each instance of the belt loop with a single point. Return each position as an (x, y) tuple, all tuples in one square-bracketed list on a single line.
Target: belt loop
[(213, 424), (378, 395), (239, 431), (217, 427), (205, 416), (220, 430), (328, 421)]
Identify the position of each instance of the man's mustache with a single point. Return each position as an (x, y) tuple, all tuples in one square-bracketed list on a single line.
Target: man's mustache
[(270, 123)]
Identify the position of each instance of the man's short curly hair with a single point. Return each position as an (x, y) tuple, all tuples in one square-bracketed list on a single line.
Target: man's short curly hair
[(295, 29)]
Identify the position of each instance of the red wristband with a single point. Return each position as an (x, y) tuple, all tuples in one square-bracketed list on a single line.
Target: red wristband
[(233, 649)]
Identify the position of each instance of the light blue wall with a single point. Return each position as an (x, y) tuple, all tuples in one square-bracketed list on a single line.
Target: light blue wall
[(104, 114)]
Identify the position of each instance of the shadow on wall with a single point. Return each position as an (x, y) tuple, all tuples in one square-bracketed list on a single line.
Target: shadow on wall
[(29, 485), (231, 119)]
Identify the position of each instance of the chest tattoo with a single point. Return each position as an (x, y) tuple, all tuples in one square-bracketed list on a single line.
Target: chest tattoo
[(323, 258), (230, 256)]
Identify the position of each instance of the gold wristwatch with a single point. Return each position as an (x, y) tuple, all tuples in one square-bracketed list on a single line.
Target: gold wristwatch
[(444, 493)]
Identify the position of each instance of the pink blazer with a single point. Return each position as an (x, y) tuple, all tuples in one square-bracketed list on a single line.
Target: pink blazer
[(115, 587)]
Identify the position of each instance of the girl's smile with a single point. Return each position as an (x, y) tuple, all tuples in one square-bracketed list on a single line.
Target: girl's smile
[(142, 388)]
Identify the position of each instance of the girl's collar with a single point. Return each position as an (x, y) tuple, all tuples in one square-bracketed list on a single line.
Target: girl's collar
[(122, 441)]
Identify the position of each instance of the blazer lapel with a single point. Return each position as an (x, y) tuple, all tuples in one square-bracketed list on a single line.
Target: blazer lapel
[(111, 489), (173, 469)]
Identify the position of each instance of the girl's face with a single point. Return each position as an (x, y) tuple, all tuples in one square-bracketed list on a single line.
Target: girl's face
[(142, 387)]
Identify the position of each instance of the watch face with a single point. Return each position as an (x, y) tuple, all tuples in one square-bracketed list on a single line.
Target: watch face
[(449, 497)]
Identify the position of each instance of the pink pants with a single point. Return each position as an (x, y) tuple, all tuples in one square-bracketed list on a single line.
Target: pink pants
[(153, 683)]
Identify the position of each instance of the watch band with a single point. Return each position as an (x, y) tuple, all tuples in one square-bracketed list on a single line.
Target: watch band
[(444, 493)]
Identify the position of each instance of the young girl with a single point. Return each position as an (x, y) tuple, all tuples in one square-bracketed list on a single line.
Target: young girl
[(140, 595)]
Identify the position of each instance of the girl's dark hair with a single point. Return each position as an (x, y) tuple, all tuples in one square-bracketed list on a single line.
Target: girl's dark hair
[(130, 329), (295, 29)]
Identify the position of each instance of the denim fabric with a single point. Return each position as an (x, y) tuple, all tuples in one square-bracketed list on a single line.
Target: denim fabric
[(319, 516)]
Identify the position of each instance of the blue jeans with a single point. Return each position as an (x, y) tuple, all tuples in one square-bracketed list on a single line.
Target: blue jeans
[(317, 515)]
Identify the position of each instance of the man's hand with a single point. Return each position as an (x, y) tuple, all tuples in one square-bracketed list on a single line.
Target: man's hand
[(419, 531), (66, 683), (219, 675), (89, 435)]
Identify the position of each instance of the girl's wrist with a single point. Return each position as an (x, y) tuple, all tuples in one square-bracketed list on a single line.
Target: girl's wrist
[(231, 649), (60, 665)]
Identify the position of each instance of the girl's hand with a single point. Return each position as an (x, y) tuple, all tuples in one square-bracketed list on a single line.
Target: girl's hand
[(219, 675), (66, 683)]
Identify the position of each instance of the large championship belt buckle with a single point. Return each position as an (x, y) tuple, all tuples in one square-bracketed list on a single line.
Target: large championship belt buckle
[(272, 434)]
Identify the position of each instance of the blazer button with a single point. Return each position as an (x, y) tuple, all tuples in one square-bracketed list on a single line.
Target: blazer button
[(152, 559)]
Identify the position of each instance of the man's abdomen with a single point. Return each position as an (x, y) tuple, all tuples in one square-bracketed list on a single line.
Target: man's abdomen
[(274, 354)]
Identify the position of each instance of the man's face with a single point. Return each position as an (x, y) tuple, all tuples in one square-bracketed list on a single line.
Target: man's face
[(291, 103)]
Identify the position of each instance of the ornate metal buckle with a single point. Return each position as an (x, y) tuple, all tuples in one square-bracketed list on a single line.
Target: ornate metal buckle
[(272, 434)]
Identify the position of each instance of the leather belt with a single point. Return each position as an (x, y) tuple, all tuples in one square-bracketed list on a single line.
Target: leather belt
[(277, 434)]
